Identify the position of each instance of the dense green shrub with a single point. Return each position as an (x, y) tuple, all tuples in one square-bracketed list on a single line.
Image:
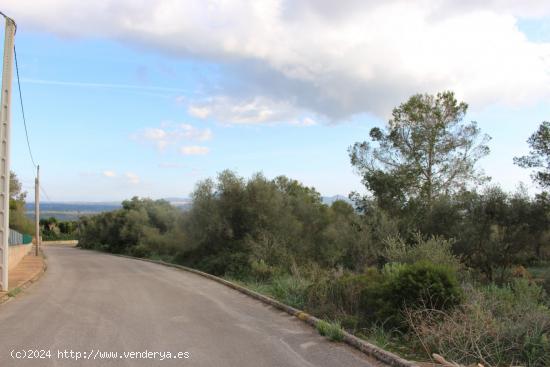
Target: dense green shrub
[(340, 296), (142, 227), (436, 250), (54, 230), (382, 296), (140, 251), (234, 264), (415, 286)]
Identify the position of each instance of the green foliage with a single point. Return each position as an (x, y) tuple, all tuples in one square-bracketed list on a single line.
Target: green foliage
[(18, 220), (436, 250), (262, 272), (142, 227), (54, 230), (14, 292), (273, 224), (539, 155), (546, 283), (381, 297), (332, 330), (340, 296), (426, 151), (290, 290), (425, 283), (498, 231)]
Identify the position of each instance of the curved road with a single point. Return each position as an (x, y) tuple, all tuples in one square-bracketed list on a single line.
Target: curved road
[(92, 303)]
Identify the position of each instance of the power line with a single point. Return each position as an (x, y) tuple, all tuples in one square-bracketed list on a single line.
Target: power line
[(45, 194), (22, 108)]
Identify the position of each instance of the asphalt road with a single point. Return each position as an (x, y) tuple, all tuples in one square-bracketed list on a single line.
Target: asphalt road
[(93, 303)]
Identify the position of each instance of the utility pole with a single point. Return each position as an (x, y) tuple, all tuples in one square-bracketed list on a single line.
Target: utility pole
[(37, 209), (5, 102)]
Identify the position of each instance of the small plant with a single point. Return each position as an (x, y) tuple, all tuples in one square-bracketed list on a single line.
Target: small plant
[(14, 292), (331, 330)]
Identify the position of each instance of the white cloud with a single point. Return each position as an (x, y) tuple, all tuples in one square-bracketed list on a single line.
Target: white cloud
[(190, 132), (194, 150), (256, 110), (200, 112), (154, 134), (333, 59), (109, 173), (132, 178), (171, 134)]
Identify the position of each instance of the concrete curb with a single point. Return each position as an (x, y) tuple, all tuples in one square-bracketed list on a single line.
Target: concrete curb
[(359, 344), (5, 298)]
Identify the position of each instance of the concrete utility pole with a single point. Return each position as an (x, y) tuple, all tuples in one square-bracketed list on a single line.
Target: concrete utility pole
[(5, 102), (37, 209)]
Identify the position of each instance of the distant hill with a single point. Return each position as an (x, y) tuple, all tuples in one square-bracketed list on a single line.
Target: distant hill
[(73, 210), (331, 199)]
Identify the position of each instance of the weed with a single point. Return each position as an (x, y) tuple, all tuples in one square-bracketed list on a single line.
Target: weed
[(14, 292), (331, 330)]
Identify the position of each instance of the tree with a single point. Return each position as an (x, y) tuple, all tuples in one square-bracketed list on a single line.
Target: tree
[(497, 231), (15, 188), (539, 156), (425, 152), (18, 220)]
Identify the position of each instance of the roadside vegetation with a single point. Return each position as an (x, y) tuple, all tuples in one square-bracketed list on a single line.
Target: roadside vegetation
[(51, 229), (18, 219), (433, 259), (57, 230)]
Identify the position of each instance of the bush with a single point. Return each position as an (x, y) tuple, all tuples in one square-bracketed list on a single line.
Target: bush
[(290, 290), (495, 326), (140, 250), (340, 296), (380, 297), (262, 272), (436, 250), (235, 264), (412, 287)]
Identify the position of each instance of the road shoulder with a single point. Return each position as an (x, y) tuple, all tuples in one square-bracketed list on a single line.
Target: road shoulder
[(28, 271)]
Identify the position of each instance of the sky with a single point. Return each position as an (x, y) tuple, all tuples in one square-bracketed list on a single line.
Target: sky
[(146, 98)]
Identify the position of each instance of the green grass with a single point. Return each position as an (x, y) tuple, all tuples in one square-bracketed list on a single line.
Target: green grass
[(393, 341), (288, 289), (331, 330), (14, 292)]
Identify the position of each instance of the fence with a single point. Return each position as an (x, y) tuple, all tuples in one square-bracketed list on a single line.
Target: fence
[(16, 238)]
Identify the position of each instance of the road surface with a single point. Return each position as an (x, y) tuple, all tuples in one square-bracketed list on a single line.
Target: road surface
[(89, 306)]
